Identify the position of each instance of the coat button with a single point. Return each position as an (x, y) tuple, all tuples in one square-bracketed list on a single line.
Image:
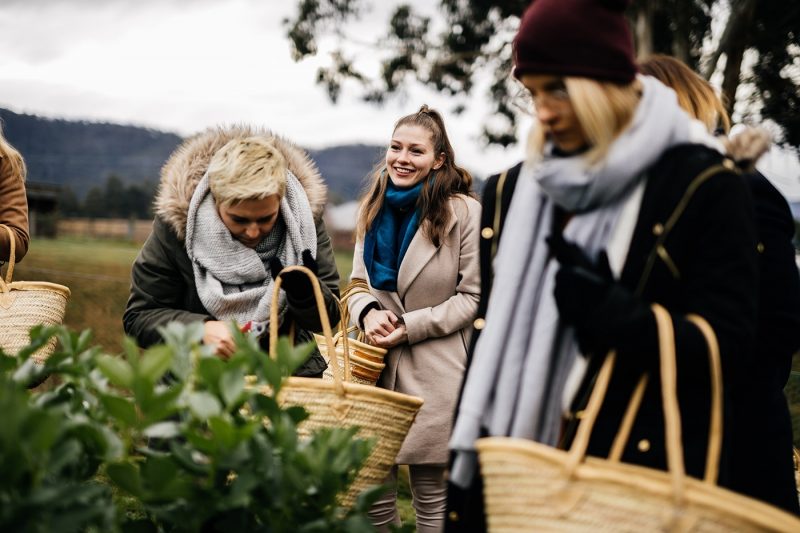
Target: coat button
[(658, 229), (644, 445), (487, 233), (760, 247), (479, 324), (453, 516)]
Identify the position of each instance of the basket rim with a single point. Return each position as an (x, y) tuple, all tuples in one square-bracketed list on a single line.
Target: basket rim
[(646, 478), (354, 391), (38, 286), (358, 345), (360, 361)]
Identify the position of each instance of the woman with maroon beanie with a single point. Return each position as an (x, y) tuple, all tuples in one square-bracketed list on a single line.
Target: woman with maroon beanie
[(623, 201)]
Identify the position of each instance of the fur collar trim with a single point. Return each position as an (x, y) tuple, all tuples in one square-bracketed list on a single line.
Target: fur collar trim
[(187, 164)]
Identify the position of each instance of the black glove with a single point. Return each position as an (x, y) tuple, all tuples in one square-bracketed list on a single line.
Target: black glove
[(605, 314), (296, 284)]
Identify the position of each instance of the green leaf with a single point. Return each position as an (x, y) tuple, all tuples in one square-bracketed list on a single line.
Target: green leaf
[(164, 403), (162, 430), (83, 340), (183, 455), (121, 409), (272, 373), (7, 363), (231, 385), (39, 336), (291, 358), (210, 370), (262, 404), (224, 432), (157, 472), (125, 476), (117, 371), (203, 405), (155, 362), (131, 349), (297, 413)]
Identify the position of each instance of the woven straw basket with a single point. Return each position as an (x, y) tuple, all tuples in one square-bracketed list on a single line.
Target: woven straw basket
[(364, 371), (380, 414), (532, 487), (366, 361), (24, 304)]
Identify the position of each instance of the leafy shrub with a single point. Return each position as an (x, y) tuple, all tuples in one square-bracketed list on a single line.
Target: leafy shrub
[(169, 439)]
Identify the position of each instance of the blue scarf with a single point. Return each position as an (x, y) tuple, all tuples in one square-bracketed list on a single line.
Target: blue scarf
[(387, 240)]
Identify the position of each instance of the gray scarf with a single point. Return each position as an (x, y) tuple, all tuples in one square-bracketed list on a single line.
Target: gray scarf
[(522, 359), (232, 280)]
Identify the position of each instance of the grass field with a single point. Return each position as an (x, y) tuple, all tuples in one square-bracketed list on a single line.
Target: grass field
[(98, 275)]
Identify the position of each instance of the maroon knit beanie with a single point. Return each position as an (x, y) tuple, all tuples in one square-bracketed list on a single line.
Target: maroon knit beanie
[(581, 38)]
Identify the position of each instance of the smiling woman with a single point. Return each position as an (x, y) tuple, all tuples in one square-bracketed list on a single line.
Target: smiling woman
[(417, 249)]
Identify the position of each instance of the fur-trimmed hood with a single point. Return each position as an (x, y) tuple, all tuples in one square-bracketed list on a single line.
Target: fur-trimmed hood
[(185, 168)]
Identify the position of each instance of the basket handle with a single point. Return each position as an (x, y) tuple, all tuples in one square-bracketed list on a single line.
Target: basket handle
[(323, 318), (669, 398), (12, 244), (715, 426), (347, 369), (356, 286)]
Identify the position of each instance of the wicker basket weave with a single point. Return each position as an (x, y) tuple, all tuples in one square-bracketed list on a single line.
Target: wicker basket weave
[(24, 304), (380, 414), (366, 361), (533, 487)]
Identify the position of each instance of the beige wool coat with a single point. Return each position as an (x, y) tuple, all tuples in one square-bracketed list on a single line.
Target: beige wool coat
[(437, 296)]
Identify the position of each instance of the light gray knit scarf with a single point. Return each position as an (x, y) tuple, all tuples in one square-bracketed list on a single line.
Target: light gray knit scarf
[(232, 280), (522, 359)]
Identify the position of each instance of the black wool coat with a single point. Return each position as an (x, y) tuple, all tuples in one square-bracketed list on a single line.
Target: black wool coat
[(693, 250), (761, 463)]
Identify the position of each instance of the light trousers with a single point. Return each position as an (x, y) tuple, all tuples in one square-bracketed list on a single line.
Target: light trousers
[(429, 498)]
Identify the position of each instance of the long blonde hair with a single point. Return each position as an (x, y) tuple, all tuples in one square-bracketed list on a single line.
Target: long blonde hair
[(11, 157), (603, 109), (695, 95), (450, 179)]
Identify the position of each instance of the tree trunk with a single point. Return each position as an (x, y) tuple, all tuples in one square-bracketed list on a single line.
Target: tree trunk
[(680, 39), (643, 27), (731, 73), (734, 35)]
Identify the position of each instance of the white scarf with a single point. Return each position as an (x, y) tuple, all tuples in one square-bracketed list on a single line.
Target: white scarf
[(232, 280), (522, 359)]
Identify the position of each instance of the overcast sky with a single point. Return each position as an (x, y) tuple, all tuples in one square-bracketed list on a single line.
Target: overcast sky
[(184, 65)]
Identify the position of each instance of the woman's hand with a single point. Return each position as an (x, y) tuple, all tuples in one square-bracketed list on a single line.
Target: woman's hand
[(217, 334), (382, 328), (379, 323), (398, 336)]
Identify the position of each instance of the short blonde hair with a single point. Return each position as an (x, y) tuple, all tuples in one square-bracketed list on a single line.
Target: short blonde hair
[(247, 169), (603, 109)]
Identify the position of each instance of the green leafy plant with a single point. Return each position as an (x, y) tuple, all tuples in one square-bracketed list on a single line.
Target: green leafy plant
[(51, 449), (169, 439)]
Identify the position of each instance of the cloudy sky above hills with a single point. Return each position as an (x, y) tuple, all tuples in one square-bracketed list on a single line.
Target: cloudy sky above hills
[(184, 65)]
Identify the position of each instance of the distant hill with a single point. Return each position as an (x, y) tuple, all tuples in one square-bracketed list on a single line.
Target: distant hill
[(346, 167), (82, 155)]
